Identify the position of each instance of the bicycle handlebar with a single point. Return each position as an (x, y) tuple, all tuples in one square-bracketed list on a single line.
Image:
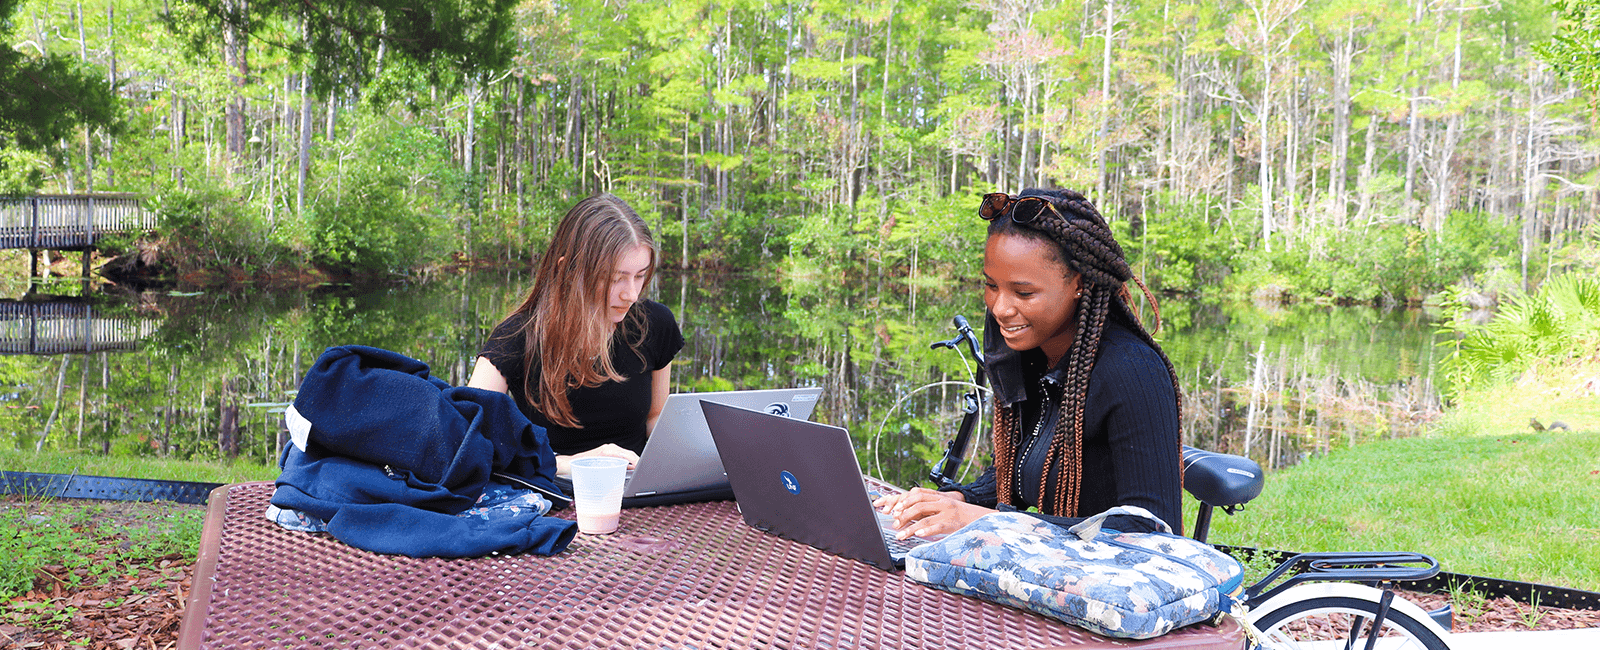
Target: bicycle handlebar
[(963, 335)]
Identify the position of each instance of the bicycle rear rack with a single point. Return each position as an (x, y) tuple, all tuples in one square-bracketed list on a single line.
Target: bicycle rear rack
[(1376, 569)]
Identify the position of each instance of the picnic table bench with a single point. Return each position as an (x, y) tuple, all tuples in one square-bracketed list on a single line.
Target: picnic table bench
[(684, 576)]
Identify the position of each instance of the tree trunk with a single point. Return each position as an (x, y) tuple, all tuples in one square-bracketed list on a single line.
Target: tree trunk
[(83, 396), (61, 380), (111, 78), (519, 160), (1439, 206), (1291, 174), (228, 428), (1100, 181), (88, 138), (1364, 178), (235, 53), (303, 170), (1530, 173), (1264, 133), (683, 199), (1338, 167), (1414, 120)]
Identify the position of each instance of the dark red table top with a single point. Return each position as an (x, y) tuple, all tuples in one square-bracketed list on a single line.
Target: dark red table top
[(687, 576)]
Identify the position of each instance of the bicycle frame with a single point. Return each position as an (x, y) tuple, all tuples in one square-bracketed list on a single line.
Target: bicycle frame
[(971, 406)]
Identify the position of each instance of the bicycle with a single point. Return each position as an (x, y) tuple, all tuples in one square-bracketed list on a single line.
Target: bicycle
[(1348, 596)]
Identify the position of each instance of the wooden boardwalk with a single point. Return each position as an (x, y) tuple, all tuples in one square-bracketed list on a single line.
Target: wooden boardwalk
[(66, 328), (70, 221)]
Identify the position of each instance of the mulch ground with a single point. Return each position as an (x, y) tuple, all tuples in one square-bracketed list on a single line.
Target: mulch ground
[(127, 613), (1507, 615), (143, 609)]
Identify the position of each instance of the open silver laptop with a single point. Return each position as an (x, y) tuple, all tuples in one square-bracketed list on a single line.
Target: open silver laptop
[(800, 480), (681, 456)]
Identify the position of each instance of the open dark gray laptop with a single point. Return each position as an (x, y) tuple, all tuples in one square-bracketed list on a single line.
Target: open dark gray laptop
[(680, 455), (800, 480)]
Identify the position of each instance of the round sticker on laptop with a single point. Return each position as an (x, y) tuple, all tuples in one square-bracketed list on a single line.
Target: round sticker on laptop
[(778, 408), (790, 483)]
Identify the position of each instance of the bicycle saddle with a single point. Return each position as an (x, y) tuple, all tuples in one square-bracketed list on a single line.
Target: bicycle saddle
[(1221, 480)]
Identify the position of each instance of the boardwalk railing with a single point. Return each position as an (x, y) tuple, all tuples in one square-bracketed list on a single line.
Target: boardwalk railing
[(62, 328), (69, 221)]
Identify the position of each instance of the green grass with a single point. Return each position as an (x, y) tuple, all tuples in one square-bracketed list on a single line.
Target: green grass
[(13, 460), (1482, 491), (1521, 506), (1568, 392), (86, 544), (82, 539)]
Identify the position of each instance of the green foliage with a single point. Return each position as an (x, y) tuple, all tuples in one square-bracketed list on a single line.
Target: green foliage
[(90, 548), (210, 227), (373, 216), (1391, 262), (21, 172), (340, 40), (850, 138), (1572, 50), (1180, 248), (46, 97), (1556, 326), (940, 236)]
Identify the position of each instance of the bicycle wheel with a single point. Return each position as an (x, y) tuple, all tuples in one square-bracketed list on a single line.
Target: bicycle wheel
[(1343, 622)]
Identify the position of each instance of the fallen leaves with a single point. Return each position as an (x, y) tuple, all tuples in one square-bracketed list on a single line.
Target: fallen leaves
[(107, 598), (119, 615)]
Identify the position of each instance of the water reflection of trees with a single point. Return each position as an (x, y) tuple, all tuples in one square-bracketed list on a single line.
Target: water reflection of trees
[(1289, 410), (1276, 384)]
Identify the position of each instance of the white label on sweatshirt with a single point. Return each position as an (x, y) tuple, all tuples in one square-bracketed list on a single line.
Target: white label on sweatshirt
[(299, 427)]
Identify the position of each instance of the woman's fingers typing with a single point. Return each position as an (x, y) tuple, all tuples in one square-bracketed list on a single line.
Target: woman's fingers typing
[(612, 451), (923, 512)]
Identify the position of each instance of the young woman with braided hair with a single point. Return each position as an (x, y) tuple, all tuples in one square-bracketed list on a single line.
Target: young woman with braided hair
[(1086, 403)]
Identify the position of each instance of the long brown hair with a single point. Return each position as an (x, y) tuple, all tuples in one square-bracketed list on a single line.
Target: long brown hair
[(1080, 239), (567, 336)]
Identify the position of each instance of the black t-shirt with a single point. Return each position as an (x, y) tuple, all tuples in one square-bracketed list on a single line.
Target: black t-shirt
[(613, 412)]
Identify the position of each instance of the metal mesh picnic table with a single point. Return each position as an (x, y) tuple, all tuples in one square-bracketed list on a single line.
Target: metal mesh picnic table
[(686, 576)]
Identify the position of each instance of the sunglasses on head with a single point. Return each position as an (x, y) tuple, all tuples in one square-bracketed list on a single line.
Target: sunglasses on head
[(1022, 210)]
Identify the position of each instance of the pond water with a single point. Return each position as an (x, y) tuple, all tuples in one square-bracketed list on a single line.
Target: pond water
[(203, 375)]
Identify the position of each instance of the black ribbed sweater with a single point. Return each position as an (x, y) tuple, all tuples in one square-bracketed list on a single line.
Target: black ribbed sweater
[(1130, 435)]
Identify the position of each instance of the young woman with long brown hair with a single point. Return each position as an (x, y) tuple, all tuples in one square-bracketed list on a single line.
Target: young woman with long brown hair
[(1086, 403), (583, 355)]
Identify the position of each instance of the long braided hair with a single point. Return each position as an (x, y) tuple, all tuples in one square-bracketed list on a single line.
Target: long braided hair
[(1080, 240)]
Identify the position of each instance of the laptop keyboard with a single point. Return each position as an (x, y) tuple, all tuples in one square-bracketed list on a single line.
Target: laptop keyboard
[(897, 547)]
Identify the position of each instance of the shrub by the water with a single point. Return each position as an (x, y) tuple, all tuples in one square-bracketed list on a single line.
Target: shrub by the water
[(1558, 325)]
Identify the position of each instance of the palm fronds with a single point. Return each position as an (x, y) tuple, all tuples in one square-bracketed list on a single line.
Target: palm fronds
[(1558, 324)]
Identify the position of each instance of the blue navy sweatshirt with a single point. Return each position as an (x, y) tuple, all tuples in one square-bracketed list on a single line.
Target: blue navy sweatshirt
[(393, 454)]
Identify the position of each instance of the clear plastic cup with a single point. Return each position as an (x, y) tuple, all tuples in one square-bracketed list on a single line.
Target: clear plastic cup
[(597, 493)]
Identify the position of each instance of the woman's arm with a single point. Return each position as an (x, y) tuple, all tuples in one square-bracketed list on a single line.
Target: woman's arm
[(487, 377), (660, 387), (981, 492), (1132, 402)]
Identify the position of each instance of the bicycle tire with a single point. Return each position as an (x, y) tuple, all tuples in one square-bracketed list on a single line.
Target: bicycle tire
[(1300, 624)]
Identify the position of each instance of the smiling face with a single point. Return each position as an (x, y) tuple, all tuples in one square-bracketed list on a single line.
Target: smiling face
[(1032, 296), (627, 280)]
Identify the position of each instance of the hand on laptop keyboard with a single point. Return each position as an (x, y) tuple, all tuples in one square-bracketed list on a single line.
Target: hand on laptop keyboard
[(928, 513)]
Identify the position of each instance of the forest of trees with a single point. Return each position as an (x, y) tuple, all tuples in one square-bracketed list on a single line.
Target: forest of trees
[(1342, 148)]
